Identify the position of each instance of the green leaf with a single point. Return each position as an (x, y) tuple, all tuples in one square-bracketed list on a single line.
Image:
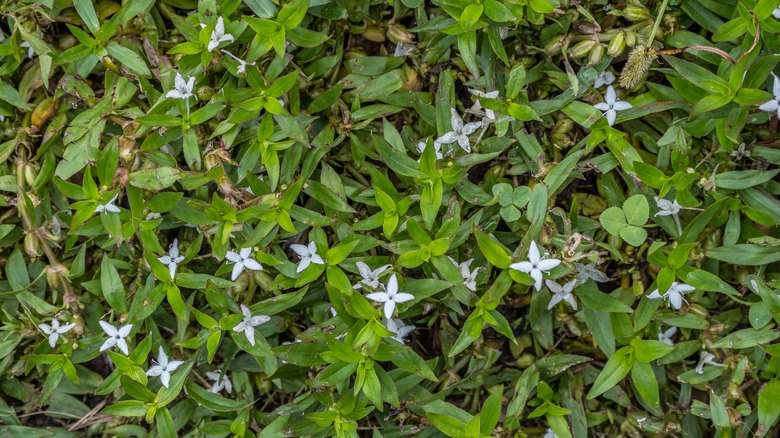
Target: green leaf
[(86, 11), (613, 220), (129, 58), (648, 351), (112, 287), (614, 371), (636, 210), (768, 407), (496, 254)]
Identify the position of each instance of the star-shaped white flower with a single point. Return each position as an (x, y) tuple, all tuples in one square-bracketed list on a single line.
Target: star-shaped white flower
[(477, 107), (164, 368), (55, 330), (774, 104), (109, 206), (249, 323), (436, 147), (589, 271), (370, 278), (308, 255), (666, 336), (561, 293), (612, 105), (241, 69), (666, 207), (220, 382), (705, 358), (218, 35), (674, 296), (116, 337), (182, 89), (604, 78), (242, 261), (398, 328), (536, 265), (460, 132), (469, 277), (172, 259), (390, 297)]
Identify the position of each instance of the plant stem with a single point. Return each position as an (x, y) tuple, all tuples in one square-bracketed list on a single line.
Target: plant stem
[(658, 19)]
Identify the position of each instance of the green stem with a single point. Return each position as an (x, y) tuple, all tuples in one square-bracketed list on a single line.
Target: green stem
[(658, 19)]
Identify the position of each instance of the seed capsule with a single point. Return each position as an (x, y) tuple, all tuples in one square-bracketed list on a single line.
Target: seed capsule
[(617, 45)]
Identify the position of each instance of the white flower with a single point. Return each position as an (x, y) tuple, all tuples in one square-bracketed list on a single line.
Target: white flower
[(220, 382), (561, 293), (108, 206), (536, 265), (550, 434), (370, 278), (308, 255), (55, 330), (774, 104), (705, 358), (589, 271), (249, 323), (241, 69), (666, 207), (604, 78), (153, 216), (390, 297), (172, 259), (666, 336), (116, 337), (399, 329), (218, 35), (674, 295), (469, 277), (776, 13), (436, 147), (164, 368), (182, 89), (242, 261), (460, 132), (477, 107), (30, 50), (403, 49), (612, 105)]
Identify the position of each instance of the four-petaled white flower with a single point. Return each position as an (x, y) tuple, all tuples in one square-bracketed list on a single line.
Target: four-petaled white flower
[(55, 330), (674, 295), (666, 207), (612, 105), (436, 147), (477, 107), (249, 323), (220, 382), (370, 278), (241, 69), (705, 358), (561, 293), (536, 265), (164, 368), (589, 271), (172, 259), (399, 329), (116, 337), (242, 260), (218, 35), (109, 206), (604, 78), (308, 255), (666, 336), (774, 104), (460, 132), (390, 297), (469, 277), (182, 89)]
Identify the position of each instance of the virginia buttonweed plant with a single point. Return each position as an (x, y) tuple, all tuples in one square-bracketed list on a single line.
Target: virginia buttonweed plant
[(495, 218)]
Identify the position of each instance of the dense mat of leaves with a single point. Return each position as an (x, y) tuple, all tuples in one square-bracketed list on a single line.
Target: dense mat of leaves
[(364, 218)]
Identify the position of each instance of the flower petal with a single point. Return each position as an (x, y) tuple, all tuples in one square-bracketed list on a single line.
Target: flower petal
[(108, 328), (379, 297), (537, 276), (522, 266), (554, 300), (455, 121), (533, 253), (317, 260), (611, 116), (238, 268), (155, 371), (464, 144), (602, 106), (109, 343), (253, 265), (304, 263), (389, 308), (124, 331), (121, 344), (53, 339), (548, 264), (250, 335), (611, 96), (402, 297), (259, 320), (165, 378), (770, 105), (621, 105), (233, 256), (301, 250)]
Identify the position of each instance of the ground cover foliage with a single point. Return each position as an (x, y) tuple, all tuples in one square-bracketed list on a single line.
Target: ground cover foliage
[(364, 218)]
